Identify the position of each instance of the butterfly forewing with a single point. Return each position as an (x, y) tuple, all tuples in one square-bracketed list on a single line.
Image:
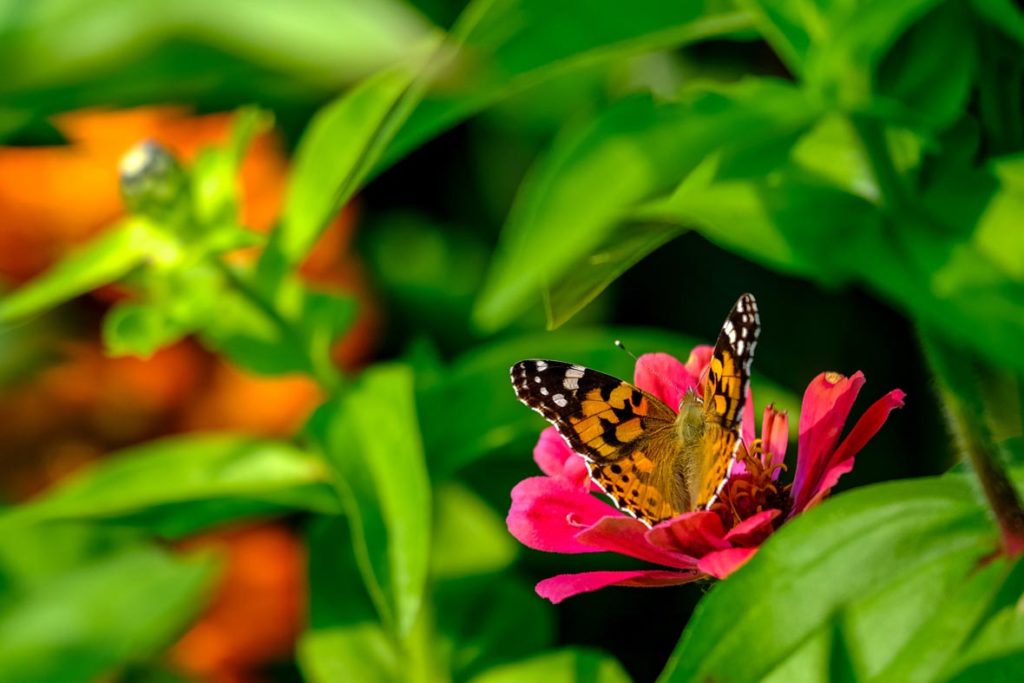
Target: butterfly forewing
[(626, 434), (725, 391)]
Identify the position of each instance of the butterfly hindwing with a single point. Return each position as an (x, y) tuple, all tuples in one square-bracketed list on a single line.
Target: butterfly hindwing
[(725, 391)]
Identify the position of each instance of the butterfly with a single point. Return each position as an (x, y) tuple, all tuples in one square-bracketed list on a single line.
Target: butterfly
[(652, 461)]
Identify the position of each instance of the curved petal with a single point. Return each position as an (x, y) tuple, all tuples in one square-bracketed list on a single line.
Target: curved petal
[(627, 536), (724, 562), (823, 413), (748, 429), (692, 534), (841, 461), (774, 438), (697, 363), (563, 586), (555, 459), (547, 513), (754, 529), (664, 376)]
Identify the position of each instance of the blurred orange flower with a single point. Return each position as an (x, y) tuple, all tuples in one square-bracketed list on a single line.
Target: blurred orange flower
[(53, 199), (259, 608)]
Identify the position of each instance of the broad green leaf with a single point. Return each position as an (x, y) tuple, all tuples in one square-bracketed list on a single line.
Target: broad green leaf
[(104, 52), (584, 281), (108, 258), (835, 45), (931, 91), (159, 483), (371, 437), (360, 652), (634, 151), (95, 618), (331, 160), (515, 44), (935, 643), (1004, 15), (996, 652), (776, 223), (477, 389), (490, 619), (558, 666), (843, 551), (469, 537)]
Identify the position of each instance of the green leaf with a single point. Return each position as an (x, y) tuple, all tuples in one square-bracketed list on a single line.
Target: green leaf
[(486, 620), (996, 653), (1004, 15), (510, 45), (559, 666), (586, 279), (591, 181), (361, 652), (159, 484), (476, 389), (833, 45), (215, 171), (138, 330), (845, 550), (125, 608), (107, 53), (105, 260), (978, 592), (469, 537), (371, 438), (331, 160), (931, 91)]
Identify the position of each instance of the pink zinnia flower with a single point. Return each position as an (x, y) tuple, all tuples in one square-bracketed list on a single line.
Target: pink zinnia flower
[(559, 512)]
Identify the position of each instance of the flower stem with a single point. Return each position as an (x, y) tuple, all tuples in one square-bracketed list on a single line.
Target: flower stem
[(963, 400), (321, 367)]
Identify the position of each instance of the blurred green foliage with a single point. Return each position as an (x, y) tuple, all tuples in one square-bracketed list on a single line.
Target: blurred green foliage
[(758, 145)]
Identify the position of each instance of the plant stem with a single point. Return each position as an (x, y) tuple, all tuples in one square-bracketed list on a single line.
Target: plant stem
[(321, 368), (963, 401)]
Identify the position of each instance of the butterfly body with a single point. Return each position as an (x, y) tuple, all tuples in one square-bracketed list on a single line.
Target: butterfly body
[(652, 461)]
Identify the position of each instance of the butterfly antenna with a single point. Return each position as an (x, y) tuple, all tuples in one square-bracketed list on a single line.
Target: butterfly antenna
[(618, 342)]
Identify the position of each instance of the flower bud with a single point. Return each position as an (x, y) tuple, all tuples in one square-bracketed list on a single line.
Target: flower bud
[(153, 183)]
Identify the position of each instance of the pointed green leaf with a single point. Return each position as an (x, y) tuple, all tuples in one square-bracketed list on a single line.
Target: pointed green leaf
[(105, 260), (371, 438)]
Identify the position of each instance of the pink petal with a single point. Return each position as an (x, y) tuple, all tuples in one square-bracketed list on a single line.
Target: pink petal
[(825, 407), (692, 534), (774, 437), (547, 513), (555, 459), (754, 529), (724, 562), (662, 375), (747, 420), (841, 461), (698, 362), (558, 588), (627, 536)]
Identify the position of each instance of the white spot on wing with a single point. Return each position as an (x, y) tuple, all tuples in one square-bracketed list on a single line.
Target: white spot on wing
[(559, 400), (541, 366), (571, 383), (544, 391)]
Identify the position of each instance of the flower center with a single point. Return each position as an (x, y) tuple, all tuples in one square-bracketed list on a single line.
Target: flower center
[(753, 490)]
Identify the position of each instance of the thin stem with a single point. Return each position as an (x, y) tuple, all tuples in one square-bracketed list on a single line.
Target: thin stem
[(963, 402), (322, 370)]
